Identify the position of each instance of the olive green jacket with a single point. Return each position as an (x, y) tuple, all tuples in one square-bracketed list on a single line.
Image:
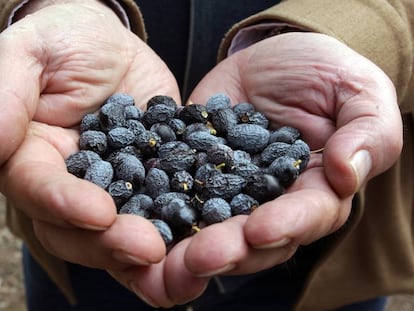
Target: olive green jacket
[(373, 255)]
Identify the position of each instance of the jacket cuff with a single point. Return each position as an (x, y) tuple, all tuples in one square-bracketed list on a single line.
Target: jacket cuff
[(14, 11), (127, 12), (373, 28), (113, 4), (118, 9), (134, 17), (257, 32)]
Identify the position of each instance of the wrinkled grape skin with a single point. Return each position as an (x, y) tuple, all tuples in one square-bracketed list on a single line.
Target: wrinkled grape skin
[(164, 230), (129, 168), (78, 162), (215, 210), (100, 173), (179, 166), (157, 182), (243, 204), (248, 137)]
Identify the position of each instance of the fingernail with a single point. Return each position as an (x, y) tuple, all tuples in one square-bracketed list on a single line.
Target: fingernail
[(276, 244), (218, 271), (138, 292), (129, 259), (361, 164)]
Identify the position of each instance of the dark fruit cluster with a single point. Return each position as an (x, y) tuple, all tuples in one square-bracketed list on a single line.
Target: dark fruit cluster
[(181, 167)]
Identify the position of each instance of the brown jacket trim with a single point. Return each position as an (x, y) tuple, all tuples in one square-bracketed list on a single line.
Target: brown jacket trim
[(135, 18)]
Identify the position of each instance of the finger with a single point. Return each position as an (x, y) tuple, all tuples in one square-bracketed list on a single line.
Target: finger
[(131, 240), (222, 249), (19, 99), (224, 78), (147, 282), (181, 284), (368, 139), (164, 284), (307, 212), (36, 181)]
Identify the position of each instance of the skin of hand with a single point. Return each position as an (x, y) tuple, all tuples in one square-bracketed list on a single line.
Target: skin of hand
[(59, 63), (340, 101)]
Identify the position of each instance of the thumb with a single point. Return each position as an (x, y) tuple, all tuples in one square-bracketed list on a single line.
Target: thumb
[(223, 78), (19, 89), (368, 139)]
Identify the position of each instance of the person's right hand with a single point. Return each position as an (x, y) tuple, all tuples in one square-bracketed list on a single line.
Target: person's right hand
[(57, 64)]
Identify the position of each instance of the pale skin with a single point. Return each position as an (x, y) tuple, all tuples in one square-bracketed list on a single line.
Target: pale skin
[(61, 65)]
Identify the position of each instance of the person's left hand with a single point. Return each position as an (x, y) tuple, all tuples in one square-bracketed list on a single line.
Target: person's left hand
[(340, 101)]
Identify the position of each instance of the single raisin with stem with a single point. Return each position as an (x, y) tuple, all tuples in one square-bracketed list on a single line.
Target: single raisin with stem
[(193, 113), (223, 120), (129, 168), (243, 204), (285, 169), (93, 140), (182, 181), (120, 191), (165, 132)]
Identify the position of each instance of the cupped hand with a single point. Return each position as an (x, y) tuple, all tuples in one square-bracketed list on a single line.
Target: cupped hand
[(59, 63), (64, 60), (341, 102)]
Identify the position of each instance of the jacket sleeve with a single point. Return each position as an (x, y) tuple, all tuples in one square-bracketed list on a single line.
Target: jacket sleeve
[(381, 30), (134, 14), (6, 9)]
